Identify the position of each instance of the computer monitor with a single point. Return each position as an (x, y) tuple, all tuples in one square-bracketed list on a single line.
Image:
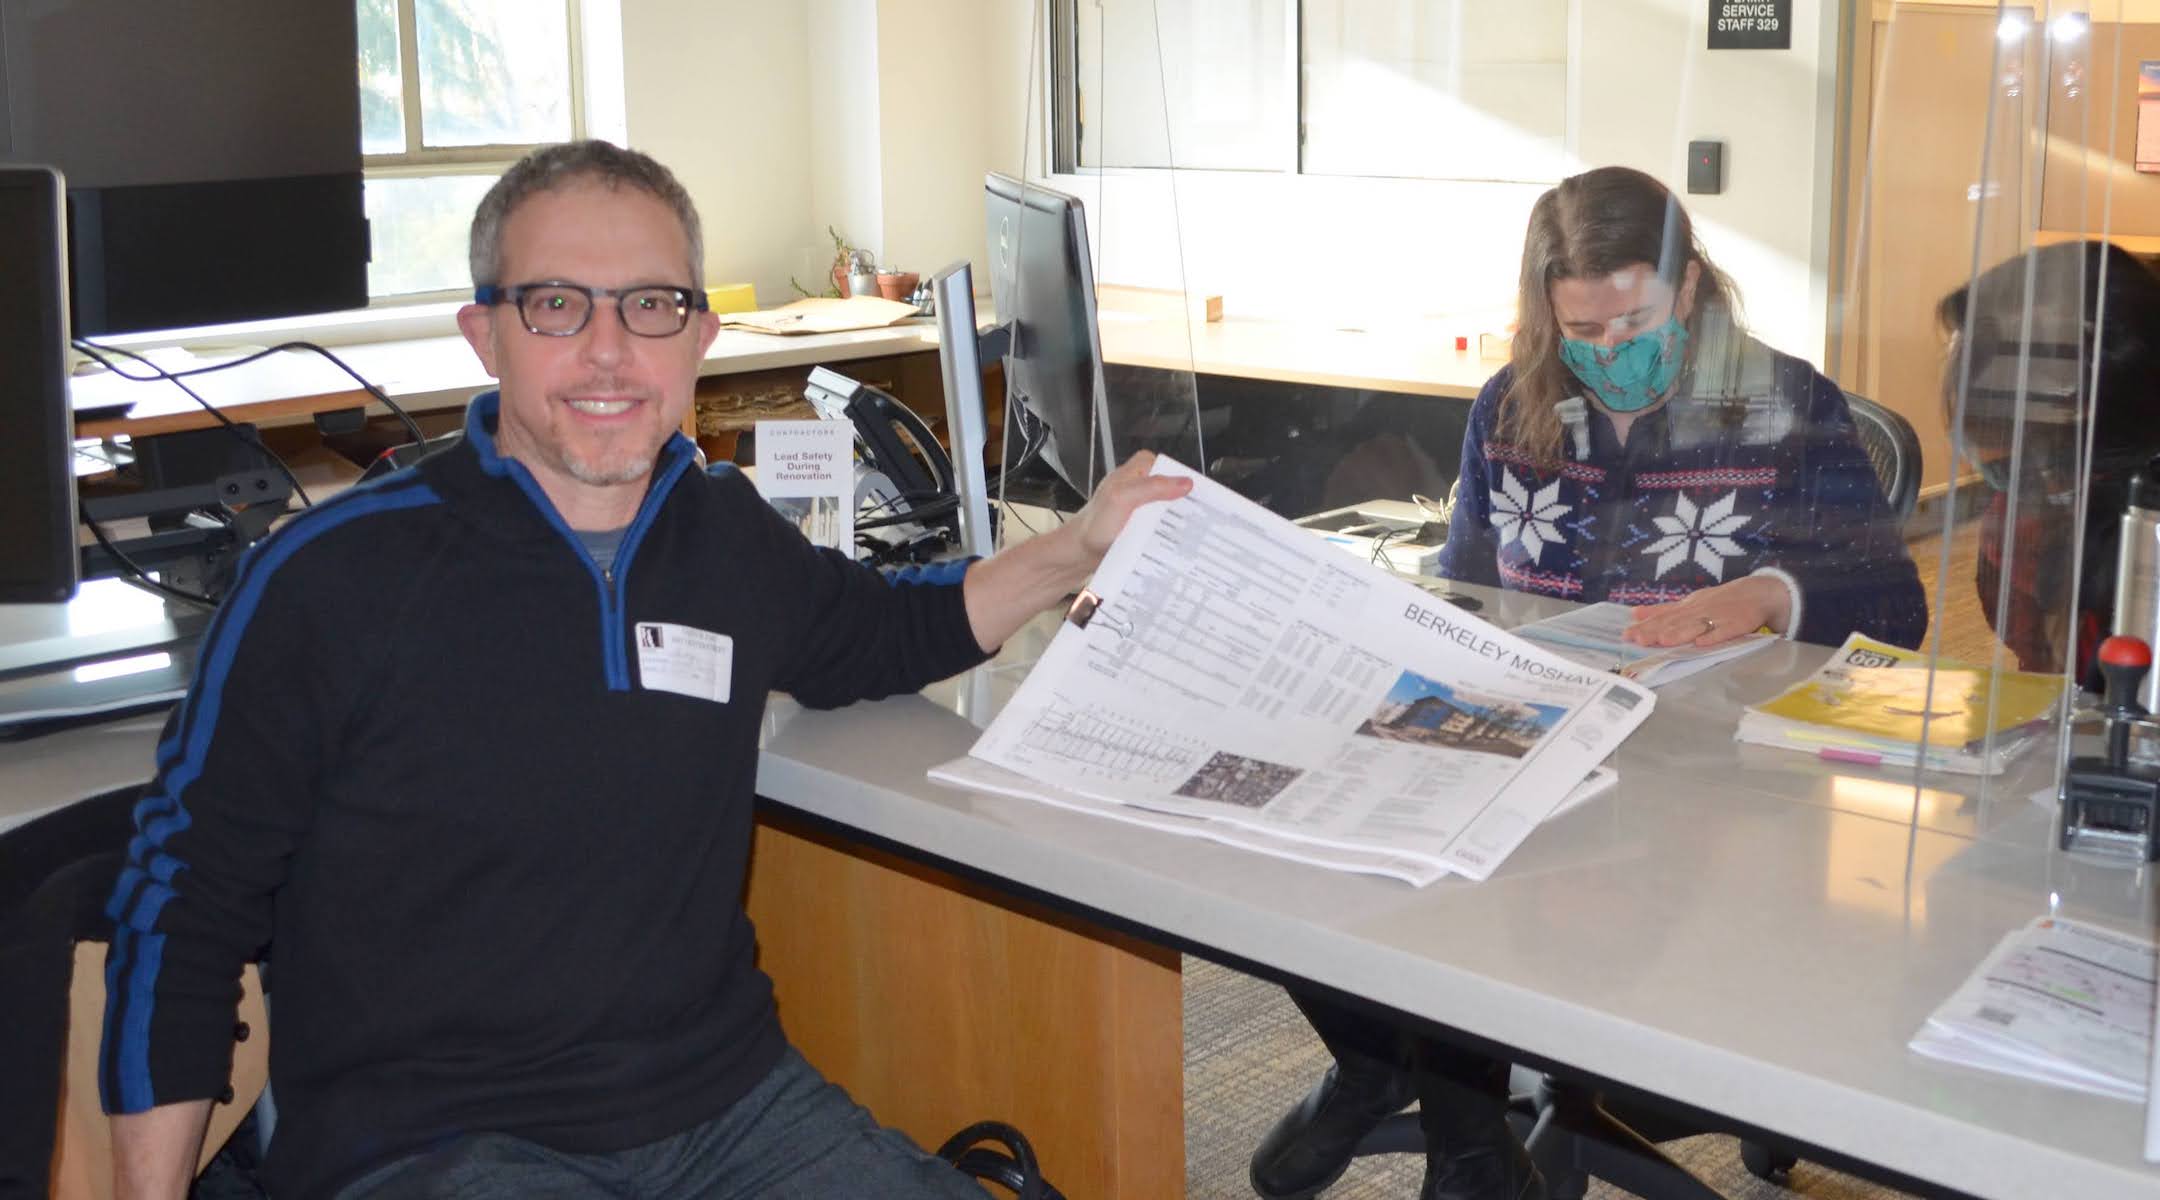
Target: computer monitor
[(211, 150), (37, 475), (960, 361), (1043, 286)]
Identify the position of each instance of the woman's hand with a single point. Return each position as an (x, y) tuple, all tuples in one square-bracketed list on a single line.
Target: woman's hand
[(1714, 614)]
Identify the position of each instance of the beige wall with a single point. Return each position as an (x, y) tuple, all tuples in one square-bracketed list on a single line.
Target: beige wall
[(1369, 249), (716, 89), (880, 116), (877, 117), (1648, 86), (934, 128), (842, 70)]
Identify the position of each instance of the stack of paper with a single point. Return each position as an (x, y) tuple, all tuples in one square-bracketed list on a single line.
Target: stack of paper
[(1875, 703), (2057, 1002), (822, 315), (1227, 675), (1592, 635)]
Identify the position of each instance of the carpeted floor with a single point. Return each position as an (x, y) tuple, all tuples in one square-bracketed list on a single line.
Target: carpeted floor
[(1249, 1055)]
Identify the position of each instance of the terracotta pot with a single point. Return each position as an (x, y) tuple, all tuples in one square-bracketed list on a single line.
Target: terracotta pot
[(897, 286), (839, 278)]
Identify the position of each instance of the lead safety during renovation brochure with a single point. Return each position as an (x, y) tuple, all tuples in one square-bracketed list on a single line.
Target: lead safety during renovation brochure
[(1227, 667)]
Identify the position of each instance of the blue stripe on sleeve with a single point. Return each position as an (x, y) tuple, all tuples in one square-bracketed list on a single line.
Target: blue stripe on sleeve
[(944, 574), (162, 814)]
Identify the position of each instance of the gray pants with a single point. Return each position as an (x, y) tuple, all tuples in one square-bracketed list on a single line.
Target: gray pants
[(793, 1135)]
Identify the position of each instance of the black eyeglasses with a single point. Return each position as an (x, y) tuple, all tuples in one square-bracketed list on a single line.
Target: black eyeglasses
[(557, 309)]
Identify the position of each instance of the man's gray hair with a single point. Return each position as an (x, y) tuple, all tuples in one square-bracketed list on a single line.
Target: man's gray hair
[(557, 166)]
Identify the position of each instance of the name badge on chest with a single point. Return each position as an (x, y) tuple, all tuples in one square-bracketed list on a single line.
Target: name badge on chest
[(685, 660)]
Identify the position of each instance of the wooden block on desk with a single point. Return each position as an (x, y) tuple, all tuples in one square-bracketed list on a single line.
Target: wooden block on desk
[(1207, 308)]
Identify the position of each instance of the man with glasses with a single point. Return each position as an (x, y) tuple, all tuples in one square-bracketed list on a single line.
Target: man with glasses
[(470, 753)]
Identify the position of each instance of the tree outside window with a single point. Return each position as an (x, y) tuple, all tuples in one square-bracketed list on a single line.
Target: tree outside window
[(451, 93)]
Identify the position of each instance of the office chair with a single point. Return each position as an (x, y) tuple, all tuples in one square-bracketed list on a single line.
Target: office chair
[(1893, 449), (1573, 1138), (55, 873)]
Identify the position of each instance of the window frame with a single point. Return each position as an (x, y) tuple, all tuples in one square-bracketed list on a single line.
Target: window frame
[(418, 161), (1064, 123)]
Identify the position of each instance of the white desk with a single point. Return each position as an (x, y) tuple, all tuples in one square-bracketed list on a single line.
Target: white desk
[(1138, 328), (1742, 929), (420, 374)]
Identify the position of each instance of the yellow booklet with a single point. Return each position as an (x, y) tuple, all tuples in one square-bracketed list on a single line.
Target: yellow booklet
[(1883, 692)]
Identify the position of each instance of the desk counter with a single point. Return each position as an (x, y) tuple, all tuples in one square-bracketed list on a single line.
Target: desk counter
[(420, 374), (1418, 357), (1744, 930), (1138, 328)]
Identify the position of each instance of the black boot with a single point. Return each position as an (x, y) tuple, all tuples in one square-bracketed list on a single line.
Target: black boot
[(1470, 1153), (1310, 1147)]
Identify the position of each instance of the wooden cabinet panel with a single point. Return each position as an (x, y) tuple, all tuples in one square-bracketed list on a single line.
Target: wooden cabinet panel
[(938, 1003)]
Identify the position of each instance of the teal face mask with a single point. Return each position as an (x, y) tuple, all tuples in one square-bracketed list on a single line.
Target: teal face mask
[(1631, 376)]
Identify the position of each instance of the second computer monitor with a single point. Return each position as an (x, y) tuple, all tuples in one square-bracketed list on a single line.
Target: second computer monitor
[(37, 475), (1043, 284)]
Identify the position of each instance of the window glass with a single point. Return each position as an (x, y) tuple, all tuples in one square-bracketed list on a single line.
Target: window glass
[(382, 79), (1218, 68), (1438, 89), (493, 72), (419, 226)]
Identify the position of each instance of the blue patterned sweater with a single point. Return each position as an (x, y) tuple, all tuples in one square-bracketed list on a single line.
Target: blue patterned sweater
[(1753, 466)]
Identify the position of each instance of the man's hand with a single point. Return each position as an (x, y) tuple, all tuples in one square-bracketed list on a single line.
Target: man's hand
[(1714, 614), (1120, 493), (1007, 589)]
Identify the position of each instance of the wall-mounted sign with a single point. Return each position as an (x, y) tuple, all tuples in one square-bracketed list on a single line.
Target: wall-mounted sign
[(1750, 24)]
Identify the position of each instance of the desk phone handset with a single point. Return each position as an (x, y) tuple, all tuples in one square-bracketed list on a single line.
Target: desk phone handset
[(895, 442)]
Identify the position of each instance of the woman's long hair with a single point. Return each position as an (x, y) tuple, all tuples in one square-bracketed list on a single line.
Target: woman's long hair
[(1588, 227)]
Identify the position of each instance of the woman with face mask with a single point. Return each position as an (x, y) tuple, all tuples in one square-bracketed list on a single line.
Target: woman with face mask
[(1640, 447)]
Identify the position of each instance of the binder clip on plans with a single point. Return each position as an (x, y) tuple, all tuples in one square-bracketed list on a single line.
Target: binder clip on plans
[(2110, 805)]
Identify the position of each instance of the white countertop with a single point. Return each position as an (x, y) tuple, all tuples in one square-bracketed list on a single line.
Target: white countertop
[(1746, 930)]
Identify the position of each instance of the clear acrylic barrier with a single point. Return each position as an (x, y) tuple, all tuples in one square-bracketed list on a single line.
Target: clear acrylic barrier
[(1071, 417), (1909, 365), (1995, 280)]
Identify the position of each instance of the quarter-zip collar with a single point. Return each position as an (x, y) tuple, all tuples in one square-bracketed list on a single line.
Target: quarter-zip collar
[(610, 586)]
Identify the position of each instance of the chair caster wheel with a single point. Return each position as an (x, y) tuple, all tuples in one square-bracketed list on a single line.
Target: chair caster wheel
[(1765, 1163)]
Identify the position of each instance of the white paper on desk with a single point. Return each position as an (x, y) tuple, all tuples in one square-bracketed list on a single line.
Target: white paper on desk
[(1591, 635), (2152, 1094), (2058, 1002), (1234, 668), (822, 314), (977, 775)]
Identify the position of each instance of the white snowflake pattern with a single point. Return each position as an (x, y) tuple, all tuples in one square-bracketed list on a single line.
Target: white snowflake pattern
[(1520, 516), (1701, 534)]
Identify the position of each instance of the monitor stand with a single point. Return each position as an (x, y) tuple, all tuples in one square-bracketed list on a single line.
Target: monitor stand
[(114, 648)]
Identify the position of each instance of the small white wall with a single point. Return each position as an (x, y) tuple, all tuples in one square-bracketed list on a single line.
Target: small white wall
[(934, 135), (1649, 86), (1364, 250), (716, 89), (842, 71)]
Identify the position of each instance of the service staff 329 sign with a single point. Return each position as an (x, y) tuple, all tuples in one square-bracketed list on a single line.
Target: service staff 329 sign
[(1750, 24)]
